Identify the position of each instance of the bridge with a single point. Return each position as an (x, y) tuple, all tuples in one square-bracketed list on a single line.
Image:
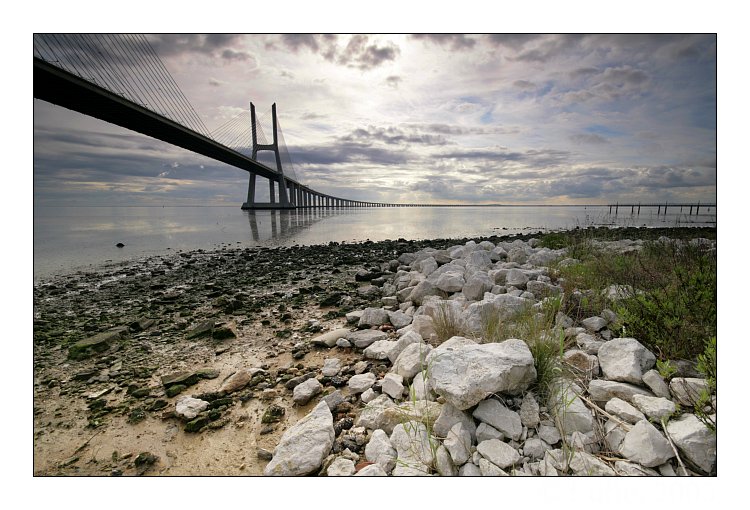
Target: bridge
[(121, 80)]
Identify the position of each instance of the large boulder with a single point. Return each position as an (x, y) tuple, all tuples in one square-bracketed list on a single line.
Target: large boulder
[(413, 444), (379, 349), (625, 360), (305, 445), (373, 317), (696, 441), (451, 281), (655, 408), (516, 278), (469, 374)]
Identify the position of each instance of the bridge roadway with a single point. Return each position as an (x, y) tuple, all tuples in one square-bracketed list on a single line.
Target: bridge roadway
[(65, 89)]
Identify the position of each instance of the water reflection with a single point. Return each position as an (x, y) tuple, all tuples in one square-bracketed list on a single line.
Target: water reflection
[(284, 225)]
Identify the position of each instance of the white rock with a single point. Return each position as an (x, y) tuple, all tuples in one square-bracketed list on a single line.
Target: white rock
[(423, 289), (303, 447), (476, 286), (485, 432), (426, 266), (585, 464), (500, 417), (423, 326), (371, 470), (412, 337), (602, 391), (517, 278), (487, 468), (412, 443), (368, 395), (458, 443), (625, 468), (569, 410), (655, 408), (379, 349), (422, 411), (412, 360), (501, 454), (656, 383), (329, 339), (470, 373), (614, 435), (450, 345), (360, 383), (645, 445), (343, 343), (393, 385), (624, 411), (695, 441), (331, 367), (341, 467), (625, 360), (380, 451), (420, 388), (305, 391), (188, 408), (451, 281)]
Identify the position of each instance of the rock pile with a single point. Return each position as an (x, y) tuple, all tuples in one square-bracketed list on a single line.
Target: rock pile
[(459, 406)]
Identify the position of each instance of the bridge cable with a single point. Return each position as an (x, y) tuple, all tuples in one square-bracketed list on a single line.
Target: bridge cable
[(109, 82), (137, 81)]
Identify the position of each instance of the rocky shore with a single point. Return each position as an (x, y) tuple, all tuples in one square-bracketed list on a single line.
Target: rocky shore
[(326, 360)]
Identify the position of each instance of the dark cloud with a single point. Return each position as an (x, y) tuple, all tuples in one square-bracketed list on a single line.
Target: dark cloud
[(535, 158), (359, 52), (512, 41), (588, 138), (524, 84), (213, 45), (393, 81), (453, 41), (392, 136), (451, 129)]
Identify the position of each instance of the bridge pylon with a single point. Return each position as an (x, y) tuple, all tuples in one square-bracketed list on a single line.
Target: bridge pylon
[(284, 202)]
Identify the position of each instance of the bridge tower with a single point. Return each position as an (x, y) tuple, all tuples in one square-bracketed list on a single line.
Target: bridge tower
[(284, 202)]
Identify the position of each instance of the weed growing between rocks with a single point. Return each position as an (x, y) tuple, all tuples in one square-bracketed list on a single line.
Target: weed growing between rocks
[(447, 324)]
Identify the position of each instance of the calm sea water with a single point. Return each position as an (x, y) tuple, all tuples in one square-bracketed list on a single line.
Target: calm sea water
[(74, 238)]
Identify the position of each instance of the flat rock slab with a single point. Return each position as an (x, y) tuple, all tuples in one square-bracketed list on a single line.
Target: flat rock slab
[(186, 378), (96, 344), (329, 339), (469, 374), (365, 338), (499, 453)]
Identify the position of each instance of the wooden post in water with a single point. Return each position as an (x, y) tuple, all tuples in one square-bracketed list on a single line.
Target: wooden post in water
[(610, 209), (665, 208), (617, 207), (658, 211), (639, 208), (698, 209)]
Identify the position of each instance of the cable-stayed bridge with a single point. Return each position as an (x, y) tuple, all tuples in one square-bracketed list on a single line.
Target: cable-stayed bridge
[(119, 78)]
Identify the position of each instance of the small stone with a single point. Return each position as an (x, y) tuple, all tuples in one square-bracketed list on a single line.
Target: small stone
[(393, 385), (500, 417), (594, 324), (331, 367), (687, 390), (485, 432), (499, 453), (529, 412), (458, 443), (188, 408), (341, 467), (655, 408), (305, 391), (645, 445), (624, 411), (368, 395), (360, 383), (656, 383)]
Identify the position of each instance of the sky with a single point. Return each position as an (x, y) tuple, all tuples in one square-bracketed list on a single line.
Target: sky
[(443, 118)]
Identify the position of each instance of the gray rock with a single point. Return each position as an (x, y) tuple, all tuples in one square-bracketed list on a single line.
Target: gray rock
[(469, 374), (587, 343), (624, 468), (368, 291), (602, 391), (645, 445), (366, 337), (423, 411), (305, 391), (476, 286), (695, 441), (535, 448), (549, 434), (412, 337), (412, 443), (379, 349), (371, 470), (498, 254), (656, 383), (487, 468), (371, 414), (351, 318), (569, 410), (529, 412), (516, 278), (399, 319), (614, 435), (423, 326), (666, 469), (373, 317), (687, 390), (334, 399), (485, 432), (420, 388), (393, 385), (188, 407), (469, 469), (588, 364), (501, 454), (412, 360), (594, 324), (303, 447), (450, 345), (458, 443), (517, 254), (362, 382), (625, 360), (343, 343), (426, 266), (624, 411), (494, 413), (451, 281), (422, 290), (443, 462), (448, 417), (655, 408), (585, 464), (341, 467), (360, 367), (331, 367), (380, 451)]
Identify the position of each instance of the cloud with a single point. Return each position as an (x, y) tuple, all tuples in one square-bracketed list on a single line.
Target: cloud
[(524, 84), (222, 46), (588, 138), (359, 52), (391, 136), (393, 81), (453, 41)]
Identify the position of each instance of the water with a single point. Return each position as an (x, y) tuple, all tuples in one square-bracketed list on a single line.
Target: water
[(73, 238)]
